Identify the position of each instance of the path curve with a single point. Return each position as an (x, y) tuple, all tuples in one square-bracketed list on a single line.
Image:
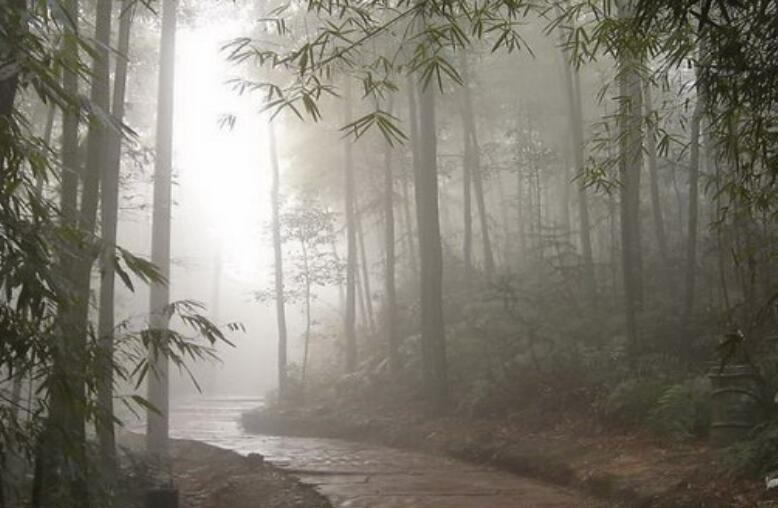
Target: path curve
[(359, 475)]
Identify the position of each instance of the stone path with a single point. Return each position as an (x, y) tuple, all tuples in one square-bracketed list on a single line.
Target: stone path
[(357, 475)]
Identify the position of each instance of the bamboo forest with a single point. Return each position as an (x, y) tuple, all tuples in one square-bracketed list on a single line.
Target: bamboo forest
[(388, 253)]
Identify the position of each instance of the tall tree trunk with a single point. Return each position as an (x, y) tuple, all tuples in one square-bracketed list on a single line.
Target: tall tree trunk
[(413, 120), (691, 232), (390, 293), (275, 203), (467, 193), (583, 198), (471, 146), (505, 221), (630, 162), (351, 247), (341, 292), (48, 471), (307, 344), (48, 131), (653, 173), (364, 320), (158, 383), (109, 221), (433, 338), (521, 240), (365, 276)]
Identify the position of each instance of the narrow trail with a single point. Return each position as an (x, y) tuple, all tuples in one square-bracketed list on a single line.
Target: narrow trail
[(359, 475)]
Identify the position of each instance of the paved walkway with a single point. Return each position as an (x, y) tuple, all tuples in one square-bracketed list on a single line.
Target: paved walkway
[(357, 475)]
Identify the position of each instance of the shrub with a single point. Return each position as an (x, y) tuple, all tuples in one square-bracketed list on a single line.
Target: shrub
[(756, 456), (683, 410), (631, 402)]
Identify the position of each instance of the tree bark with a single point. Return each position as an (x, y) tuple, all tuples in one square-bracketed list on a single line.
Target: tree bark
[(365, 267), (109, 220), (158, 383), (583, 198), (433, 337), (413, 120), (467, 207), (307, 269), (471, 146), (653, 173), (630, 162), (390, 293), (351, 247), (691, 239), (275, 203)]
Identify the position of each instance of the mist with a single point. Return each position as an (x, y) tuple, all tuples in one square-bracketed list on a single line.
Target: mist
[(290, 240)]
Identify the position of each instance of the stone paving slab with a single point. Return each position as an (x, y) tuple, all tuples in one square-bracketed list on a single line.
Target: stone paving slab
[(358, 475)]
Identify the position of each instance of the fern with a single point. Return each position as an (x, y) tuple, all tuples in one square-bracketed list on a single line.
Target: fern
[(682, 412)]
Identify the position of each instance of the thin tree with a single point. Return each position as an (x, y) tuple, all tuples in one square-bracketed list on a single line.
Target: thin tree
[(57, 428), (351, 246), (691, 239), (365, 269), (473, 158), (433, 336), (275, 203), (573, 82), (390, 292), (109, 207), (653, 174), (630, 163), (158, 383), (467, 196)]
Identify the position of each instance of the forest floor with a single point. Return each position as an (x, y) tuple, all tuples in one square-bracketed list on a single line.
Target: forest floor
[(210, 477), (622, 468)]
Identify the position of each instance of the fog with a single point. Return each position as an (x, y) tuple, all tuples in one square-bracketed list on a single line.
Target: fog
[(419, 223)]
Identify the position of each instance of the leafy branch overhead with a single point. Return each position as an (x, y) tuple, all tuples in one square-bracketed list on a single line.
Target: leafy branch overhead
[(415, 38)]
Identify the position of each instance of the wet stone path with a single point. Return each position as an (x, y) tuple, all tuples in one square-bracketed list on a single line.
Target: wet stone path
[(358, 475)]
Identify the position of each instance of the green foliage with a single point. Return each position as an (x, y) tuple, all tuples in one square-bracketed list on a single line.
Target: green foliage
[(631, 401), (757, 455), (682, 412)]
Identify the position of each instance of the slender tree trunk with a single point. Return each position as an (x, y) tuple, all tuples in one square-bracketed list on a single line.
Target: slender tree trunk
[(413, 120), (521, 240), (410, 244), (505, 220), (47, 133), (365, 276), (390, 294), (275, 203), (653, 173), (48, 473), (538, 211), (341, 291), (158, 383), (364, 320), (351, 245), (307, 309), (583, 198), (691, 232), (471, 139), (630, 163), (433, 336), (109, 221), (467, 161)]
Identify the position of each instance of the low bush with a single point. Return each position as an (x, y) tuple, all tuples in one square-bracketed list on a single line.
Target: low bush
[(757, 455), (682, 411), (631, 401)]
